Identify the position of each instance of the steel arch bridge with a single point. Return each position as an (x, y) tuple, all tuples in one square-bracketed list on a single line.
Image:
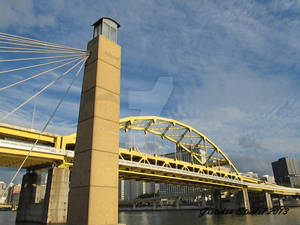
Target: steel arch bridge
[(207, 165), (200, 149), (211, 169)]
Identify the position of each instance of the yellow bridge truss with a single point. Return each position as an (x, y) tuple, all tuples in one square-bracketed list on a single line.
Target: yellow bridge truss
[(202, 150), (207, 165)]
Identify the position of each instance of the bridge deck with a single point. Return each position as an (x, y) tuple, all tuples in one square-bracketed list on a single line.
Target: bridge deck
[(140, 166)]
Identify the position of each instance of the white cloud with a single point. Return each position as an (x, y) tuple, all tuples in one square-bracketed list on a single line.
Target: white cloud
[(22, 15)]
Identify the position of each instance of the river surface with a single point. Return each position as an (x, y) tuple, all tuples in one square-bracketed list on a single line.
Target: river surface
[(187, 218)]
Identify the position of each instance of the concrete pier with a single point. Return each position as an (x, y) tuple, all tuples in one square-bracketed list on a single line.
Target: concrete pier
[(268, 200), (246, 199), (177, 201), (56, 197), (203, 200), (217, 199), (51, 208), (280, 201), (27, 204)]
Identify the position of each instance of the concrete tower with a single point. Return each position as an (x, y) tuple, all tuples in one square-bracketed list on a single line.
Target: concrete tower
[(93, 197)]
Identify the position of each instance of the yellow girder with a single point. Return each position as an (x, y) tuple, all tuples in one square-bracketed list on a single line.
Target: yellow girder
[(133, 155), (26, 134), (11, 157), (142, 123)]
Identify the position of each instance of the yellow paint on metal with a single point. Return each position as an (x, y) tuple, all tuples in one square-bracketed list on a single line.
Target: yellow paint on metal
[(136, 156), (13, 157), (21, 133), (10, 157), (165, 178), (129, 123), (67, 140)]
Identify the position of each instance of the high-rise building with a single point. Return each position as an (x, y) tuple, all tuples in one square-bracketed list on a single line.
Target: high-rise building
[(168, 189), (13, 194), (2, 185), (2, 190), (268, 178), (286, 172), (250, 174), (130, 190)]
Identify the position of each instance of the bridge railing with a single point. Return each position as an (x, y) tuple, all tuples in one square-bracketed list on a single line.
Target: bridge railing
[(36, 148)]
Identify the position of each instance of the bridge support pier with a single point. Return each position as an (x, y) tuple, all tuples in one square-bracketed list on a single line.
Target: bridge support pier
[(217, 199), (246, 199), (280, 201), (268, 200), (203, 200), (28, 197), (259, 200), (56, 197), (154, 205), (53, 208), (177, 203)]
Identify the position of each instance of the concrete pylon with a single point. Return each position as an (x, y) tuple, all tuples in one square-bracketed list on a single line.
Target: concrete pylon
[(93, 197), (280, 201), (28, 196), (53, 208), (246, 199), (56, 196), (203, 200), (217, 199), (268, 200)]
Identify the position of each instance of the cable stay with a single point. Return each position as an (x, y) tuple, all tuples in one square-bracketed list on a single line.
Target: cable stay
[(40, 53), (36, 65), (20, 39), (37, 51), (41, 58), (39, 92), (38, 75), (35, 46), (45, 126)]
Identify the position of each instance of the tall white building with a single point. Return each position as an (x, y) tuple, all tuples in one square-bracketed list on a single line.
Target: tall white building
[(130, 190), (2, 185), (167, 190)]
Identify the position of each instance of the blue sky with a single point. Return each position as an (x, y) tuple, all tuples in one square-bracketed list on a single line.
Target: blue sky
[(228, 68)]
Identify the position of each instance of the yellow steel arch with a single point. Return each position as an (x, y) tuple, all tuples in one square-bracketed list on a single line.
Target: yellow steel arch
[(201, 149)]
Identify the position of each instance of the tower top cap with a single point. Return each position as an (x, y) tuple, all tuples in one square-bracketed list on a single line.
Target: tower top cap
[(107, 27), (105, 18)]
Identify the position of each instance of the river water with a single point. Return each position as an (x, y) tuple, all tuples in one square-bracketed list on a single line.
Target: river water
[(188, 218)]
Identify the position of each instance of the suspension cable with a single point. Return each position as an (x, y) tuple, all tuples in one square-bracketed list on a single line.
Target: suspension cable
[(19, 43), (38, 75), (39, 58), (35, 51), (46, 125), (36, 65), (39, 92), (37, 42)]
